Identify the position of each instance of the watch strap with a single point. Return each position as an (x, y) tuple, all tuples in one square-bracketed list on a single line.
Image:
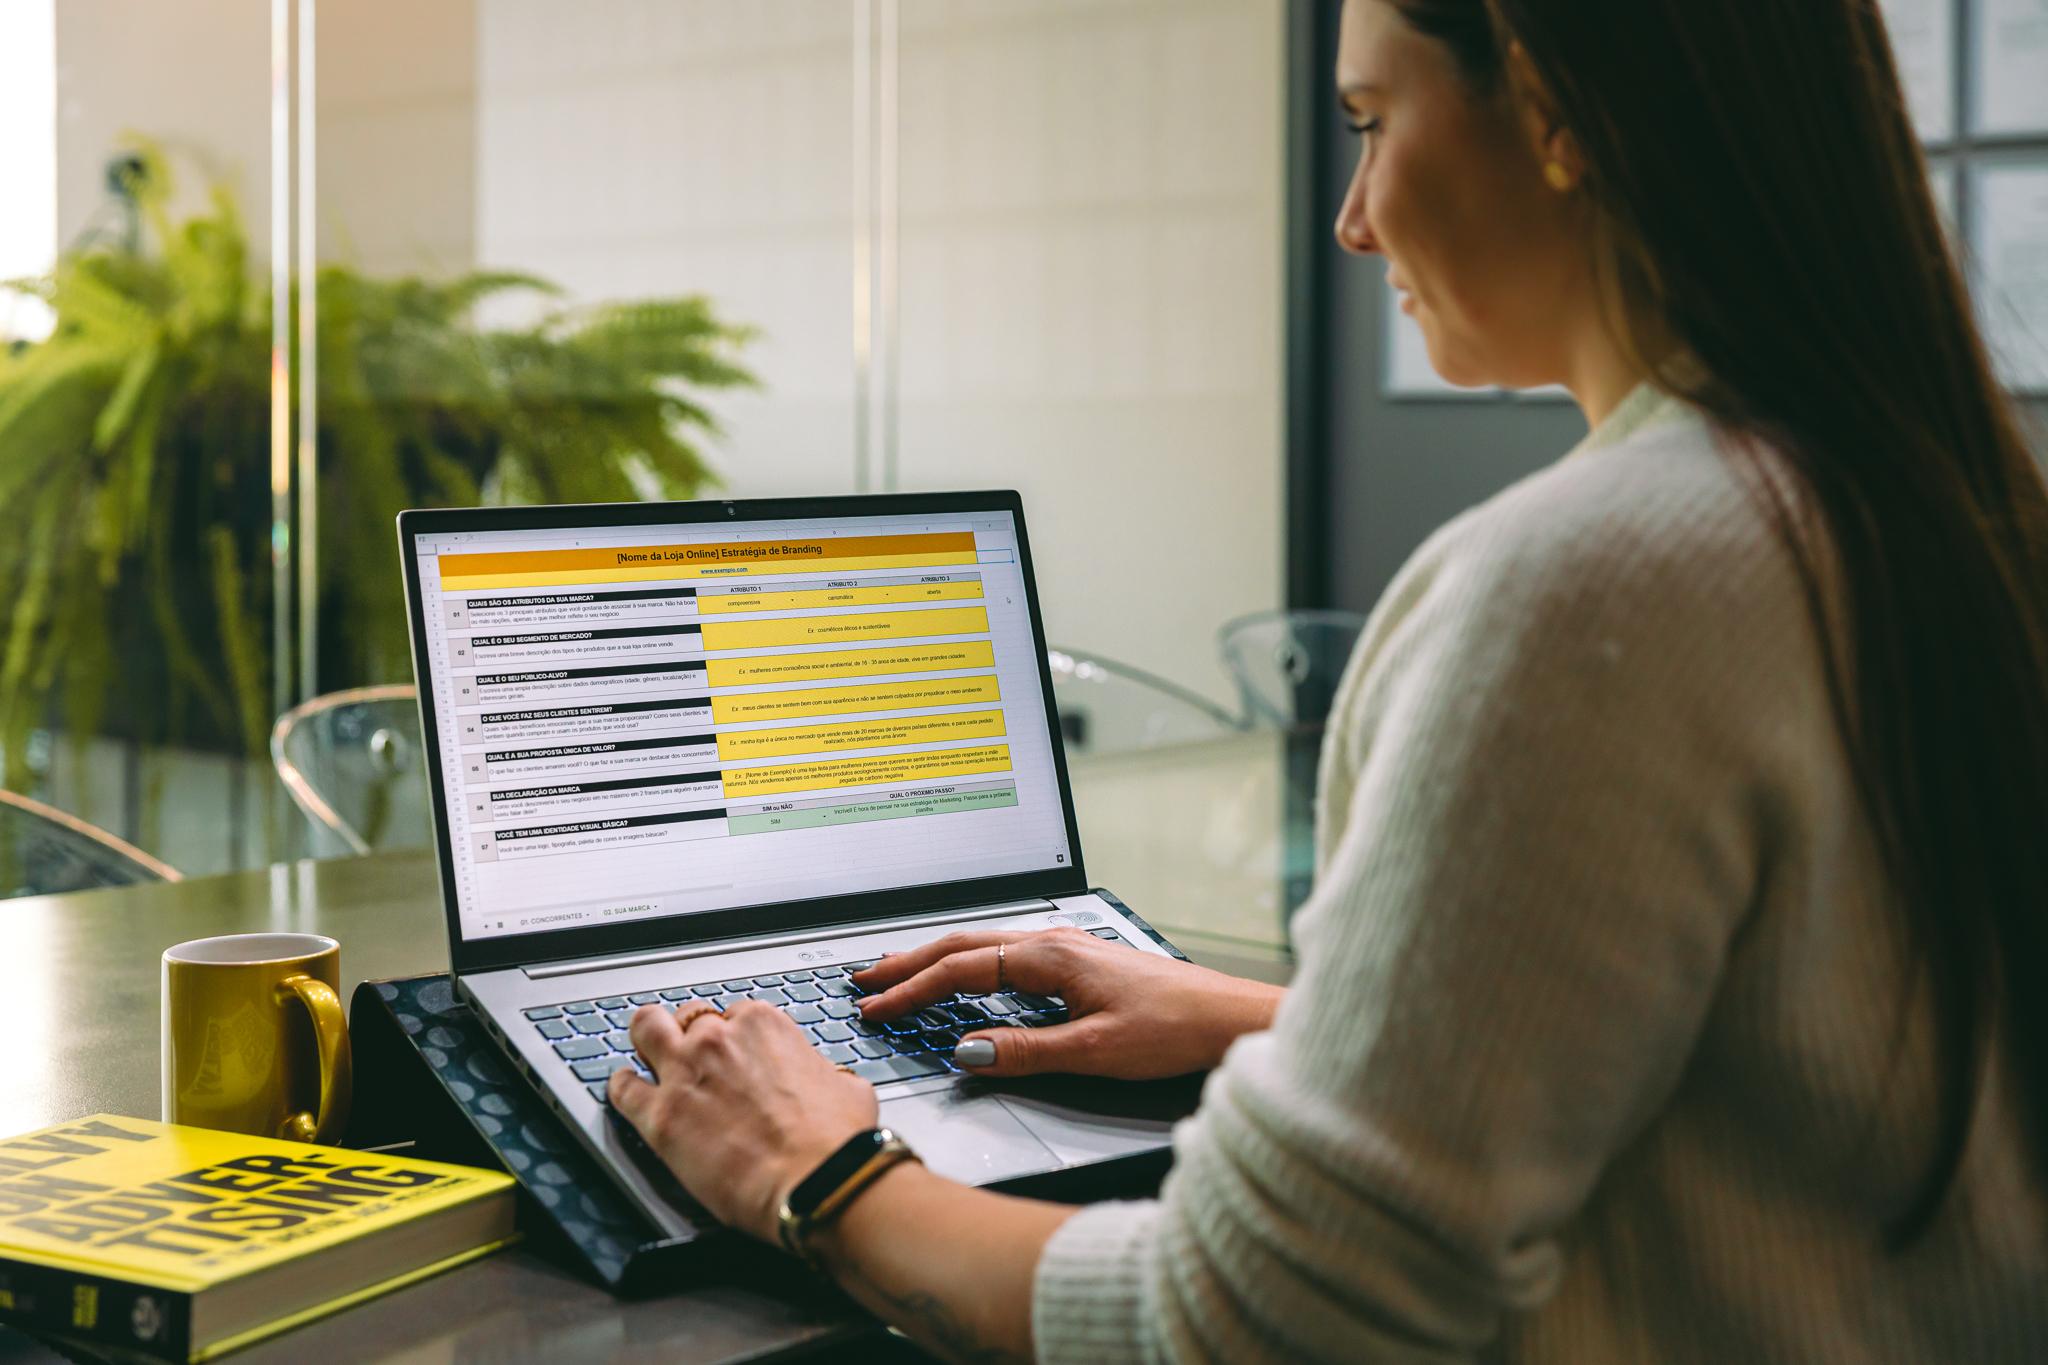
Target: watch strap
[(822, 1195)]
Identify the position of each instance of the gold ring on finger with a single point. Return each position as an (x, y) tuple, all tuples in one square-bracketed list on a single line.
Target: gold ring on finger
[(692, 1015), (1002, 984)]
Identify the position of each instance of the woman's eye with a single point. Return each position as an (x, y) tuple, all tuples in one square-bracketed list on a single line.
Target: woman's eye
[(1363, 127)]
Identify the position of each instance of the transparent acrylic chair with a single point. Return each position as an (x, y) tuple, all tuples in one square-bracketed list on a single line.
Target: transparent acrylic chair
[(1108, 707), (44, 851), (353, 763), (1286, 663)]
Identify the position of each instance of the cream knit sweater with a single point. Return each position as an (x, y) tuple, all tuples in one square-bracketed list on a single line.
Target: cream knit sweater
[(1595, 1053)]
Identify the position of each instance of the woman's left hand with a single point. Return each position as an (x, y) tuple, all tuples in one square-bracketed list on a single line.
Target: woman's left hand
[(742, 1107)]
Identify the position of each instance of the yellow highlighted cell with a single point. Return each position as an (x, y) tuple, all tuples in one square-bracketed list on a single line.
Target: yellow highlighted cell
[(845, 701), (825, 630), (723, 604), (848, 663), (864, 734), (860, 772)]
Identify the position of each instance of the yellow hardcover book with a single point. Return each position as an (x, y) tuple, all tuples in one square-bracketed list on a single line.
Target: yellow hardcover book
[(182, 1243)]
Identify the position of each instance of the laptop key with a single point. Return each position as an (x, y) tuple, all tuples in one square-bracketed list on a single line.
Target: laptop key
[(612, 1002), (712, 988), (901, 1026), (644, 998), (544, 1012), (554, 1028), (804, 1014), (880, 1070), (831, 1031), (863, 1029), (576, 1049), (871, 1047), (824, 973), (907, 1042), (601, 1092), (676, 993), (802, 990), (620, 1018), (768, 981), (591, 1023), (933, 1017), (580, 1007), (839, 986), (839, 1009), (998, 1005), (598, 1068), (839, 1054), (738, 987), (769, 996), (620, 1041), (966, 1012), (804, 975)]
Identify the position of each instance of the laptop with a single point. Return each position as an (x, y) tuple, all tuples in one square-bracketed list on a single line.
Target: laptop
[(725, 750)]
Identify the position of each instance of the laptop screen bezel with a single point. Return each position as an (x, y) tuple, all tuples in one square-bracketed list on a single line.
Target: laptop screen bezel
[(517, 950)]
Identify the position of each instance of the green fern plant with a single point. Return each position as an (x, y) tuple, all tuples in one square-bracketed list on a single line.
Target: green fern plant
[(135, 462)]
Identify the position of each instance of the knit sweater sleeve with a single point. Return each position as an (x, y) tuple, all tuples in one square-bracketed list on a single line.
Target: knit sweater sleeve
[(1557, 765)]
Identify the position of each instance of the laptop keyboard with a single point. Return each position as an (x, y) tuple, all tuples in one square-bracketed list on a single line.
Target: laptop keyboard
[(591, 1035)]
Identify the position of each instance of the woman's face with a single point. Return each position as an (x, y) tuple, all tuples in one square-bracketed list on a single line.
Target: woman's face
[(1449, 188)]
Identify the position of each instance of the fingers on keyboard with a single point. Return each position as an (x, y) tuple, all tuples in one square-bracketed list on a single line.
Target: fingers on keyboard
[(592, 1037)]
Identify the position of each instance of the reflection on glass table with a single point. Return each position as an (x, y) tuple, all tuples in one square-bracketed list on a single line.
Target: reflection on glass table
[(352, 762)]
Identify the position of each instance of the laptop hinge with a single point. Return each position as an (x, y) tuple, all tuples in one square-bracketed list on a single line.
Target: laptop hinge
[(546, 970)]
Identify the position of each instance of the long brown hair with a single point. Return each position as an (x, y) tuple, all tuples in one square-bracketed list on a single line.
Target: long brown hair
[(1766, 226)]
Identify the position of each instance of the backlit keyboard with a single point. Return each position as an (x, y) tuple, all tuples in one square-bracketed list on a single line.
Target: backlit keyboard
[(591, 1035)]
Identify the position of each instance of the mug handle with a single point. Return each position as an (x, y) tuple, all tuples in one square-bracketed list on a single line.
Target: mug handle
[(337, 1069)]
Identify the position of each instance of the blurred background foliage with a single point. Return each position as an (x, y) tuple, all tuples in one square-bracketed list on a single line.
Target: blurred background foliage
[(135, 460)]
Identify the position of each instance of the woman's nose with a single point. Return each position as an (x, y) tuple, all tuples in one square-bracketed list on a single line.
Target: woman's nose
[(1353, 233)]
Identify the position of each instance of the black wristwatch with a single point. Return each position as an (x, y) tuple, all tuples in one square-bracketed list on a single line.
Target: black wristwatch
[(824, 1194)]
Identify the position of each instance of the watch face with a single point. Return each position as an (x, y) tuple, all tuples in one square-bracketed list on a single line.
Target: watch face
[(836, 1169)]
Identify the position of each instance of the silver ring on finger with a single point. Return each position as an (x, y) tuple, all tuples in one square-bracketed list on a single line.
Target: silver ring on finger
[(1002, 982)]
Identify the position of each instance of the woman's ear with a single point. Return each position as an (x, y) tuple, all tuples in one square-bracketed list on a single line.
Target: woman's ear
[(1550, 142)]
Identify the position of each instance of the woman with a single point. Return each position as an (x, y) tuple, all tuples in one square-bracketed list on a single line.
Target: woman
[(1672, 989)]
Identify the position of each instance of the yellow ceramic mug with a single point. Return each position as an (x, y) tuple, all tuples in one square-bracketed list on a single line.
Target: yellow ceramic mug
[(255, 1040)]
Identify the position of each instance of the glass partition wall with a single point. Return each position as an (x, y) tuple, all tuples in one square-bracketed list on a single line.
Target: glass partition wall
[(515, 251), (144, 522)]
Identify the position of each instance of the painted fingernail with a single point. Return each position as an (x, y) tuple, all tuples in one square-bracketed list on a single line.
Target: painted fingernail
[(975, 1052)]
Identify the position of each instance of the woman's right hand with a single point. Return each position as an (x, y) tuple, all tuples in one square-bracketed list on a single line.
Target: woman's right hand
[(1133, 1015)]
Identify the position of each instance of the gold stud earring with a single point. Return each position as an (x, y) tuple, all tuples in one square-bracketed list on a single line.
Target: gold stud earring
[(1556, 176)]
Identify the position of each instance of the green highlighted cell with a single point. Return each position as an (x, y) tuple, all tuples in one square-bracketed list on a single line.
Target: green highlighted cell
[(857, 812)]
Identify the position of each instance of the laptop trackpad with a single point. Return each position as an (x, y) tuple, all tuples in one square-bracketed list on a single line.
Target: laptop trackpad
[(969, 1138)]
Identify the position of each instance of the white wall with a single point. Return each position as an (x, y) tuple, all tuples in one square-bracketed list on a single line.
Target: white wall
[(395, 169), (1091, 304), (643, 147), (194, 75)]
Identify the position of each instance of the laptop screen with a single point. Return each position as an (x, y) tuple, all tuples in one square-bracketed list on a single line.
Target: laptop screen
[(645, 721)]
